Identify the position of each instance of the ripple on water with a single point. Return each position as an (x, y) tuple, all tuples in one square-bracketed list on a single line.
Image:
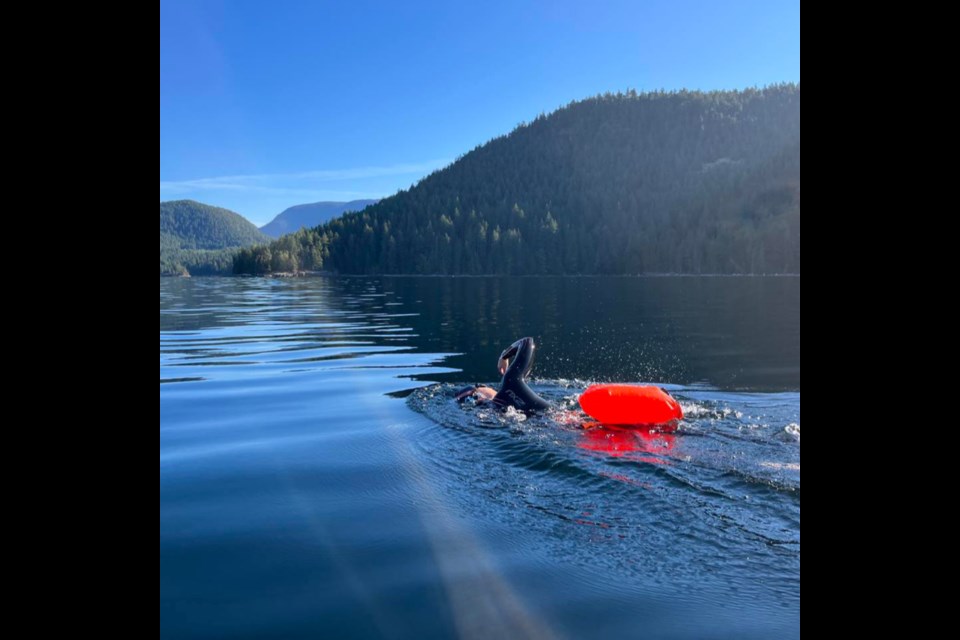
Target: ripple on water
[(721, 491)]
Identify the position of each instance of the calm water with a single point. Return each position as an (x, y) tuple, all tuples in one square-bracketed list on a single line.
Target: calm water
[(317, 481)]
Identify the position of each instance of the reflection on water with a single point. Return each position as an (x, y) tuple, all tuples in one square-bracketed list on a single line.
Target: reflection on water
[(299, 496), (642, 445)]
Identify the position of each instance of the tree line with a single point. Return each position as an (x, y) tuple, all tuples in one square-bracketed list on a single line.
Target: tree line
[(626, 183)]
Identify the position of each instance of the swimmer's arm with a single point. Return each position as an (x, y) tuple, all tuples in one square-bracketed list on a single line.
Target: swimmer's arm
[(516, 357)]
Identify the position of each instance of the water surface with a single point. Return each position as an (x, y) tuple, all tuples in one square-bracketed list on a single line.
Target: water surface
[(315, 479)]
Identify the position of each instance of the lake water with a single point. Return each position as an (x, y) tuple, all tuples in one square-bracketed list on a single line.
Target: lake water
[(316, 480)]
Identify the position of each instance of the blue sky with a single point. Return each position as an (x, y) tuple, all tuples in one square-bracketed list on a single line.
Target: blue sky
[(264, 105)]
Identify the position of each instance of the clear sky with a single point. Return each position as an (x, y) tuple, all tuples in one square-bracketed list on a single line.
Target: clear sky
[(264, 105)]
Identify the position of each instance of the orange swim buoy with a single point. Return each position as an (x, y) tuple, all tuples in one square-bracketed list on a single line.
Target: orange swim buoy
[(630, 404)]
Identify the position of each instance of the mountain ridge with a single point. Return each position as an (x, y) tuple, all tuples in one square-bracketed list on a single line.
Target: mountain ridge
[(311, 214), (629, 183)]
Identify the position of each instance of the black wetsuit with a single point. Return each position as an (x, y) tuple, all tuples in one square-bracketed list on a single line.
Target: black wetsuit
[(514, 391)]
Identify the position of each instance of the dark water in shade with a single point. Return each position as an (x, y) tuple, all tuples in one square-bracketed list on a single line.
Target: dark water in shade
[(316, 480)]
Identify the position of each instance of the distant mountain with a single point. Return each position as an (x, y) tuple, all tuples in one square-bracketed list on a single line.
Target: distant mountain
[(662, 182), (192, 234), (310, 215)]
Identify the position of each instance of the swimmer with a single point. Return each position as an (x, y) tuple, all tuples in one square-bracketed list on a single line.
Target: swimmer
[(514, 364)]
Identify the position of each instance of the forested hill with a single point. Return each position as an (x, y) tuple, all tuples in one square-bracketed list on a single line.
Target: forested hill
[(679, 182), (199, 226), (309, 215), (192, 233)]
